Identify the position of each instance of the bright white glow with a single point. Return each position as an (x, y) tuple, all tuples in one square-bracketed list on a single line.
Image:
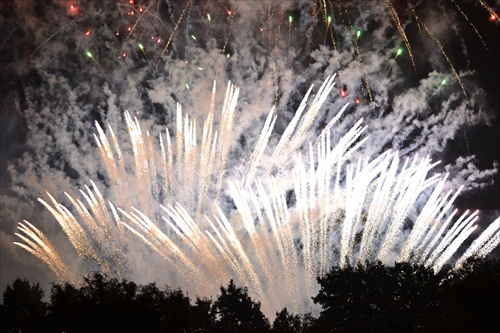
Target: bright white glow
[(296, 213)]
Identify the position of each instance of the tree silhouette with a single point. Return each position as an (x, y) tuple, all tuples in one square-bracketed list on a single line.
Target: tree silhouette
[(469, 299), (308, 322), (202, 317), (175, 311), (108, 304), (286, 322), (149, 307), (376, 298), (236, 312), (366, 298), (23, 309), (65, 308)]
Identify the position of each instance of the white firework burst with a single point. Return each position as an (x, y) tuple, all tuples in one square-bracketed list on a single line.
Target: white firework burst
[(293, 212)]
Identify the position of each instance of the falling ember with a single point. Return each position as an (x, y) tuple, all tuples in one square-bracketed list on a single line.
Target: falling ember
[(343, 91), (343, 214), (73, 10)]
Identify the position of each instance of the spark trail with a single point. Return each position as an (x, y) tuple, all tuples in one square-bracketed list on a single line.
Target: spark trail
[(344, 211)]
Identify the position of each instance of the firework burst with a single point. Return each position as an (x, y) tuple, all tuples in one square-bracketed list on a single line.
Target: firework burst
[(341, 213)]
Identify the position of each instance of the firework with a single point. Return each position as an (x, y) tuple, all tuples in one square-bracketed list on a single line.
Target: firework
[(345, 212)]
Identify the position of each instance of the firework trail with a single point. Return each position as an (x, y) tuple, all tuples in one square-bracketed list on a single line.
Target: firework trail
[(267, 242)]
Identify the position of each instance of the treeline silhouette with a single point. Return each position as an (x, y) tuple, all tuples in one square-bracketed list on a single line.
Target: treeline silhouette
[(366, 298)]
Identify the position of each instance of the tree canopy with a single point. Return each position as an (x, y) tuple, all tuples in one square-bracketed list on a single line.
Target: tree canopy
[(370, 297), (373, 297), (236, 312), (23, 309)]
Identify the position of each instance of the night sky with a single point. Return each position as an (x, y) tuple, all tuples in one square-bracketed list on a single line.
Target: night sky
[(65, 65)]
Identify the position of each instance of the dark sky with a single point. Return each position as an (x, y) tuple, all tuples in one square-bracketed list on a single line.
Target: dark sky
[(484, 140), (65, 65)]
